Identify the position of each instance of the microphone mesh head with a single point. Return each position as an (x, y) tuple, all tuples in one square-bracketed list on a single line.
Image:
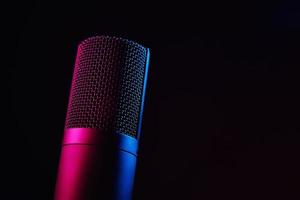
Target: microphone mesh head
[(107, 85)]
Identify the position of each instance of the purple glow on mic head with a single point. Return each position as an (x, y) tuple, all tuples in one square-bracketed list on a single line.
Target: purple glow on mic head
[(107, 86)]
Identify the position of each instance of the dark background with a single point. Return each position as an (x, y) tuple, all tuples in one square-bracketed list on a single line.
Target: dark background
[(222, 108)]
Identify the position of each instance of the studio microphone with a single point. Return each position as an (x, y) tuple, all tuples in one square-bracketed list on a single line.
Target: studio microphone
[(103, 122)]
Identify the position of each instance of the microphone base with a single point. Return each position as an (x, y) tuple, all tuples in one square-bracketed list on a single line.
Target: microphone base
[(96, 165)]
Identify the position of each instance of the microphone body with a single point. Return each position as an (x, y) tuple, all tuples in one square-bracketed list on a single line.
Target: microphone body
[(103, 125)]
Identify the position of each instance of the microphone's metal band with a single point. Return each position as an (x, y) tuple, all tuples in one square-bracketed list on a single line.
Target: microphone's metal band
[(92, 136)]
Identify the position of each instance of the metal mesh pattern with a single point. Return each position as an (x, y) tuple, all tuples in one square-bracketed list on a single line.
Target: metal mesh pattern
[(107, 85)]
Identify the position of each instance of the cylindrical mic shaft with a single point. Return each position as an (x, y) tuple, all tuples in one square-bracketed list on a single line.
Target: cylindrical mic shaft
[(103, 124)]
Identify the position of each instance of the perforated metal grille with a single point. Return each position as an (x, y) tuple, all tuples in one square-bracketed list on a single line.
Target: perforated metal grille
[(107, 85)]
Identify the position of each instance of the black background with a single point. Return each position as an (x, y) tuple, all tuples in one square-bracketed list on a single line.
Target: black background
[(222, 109)]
